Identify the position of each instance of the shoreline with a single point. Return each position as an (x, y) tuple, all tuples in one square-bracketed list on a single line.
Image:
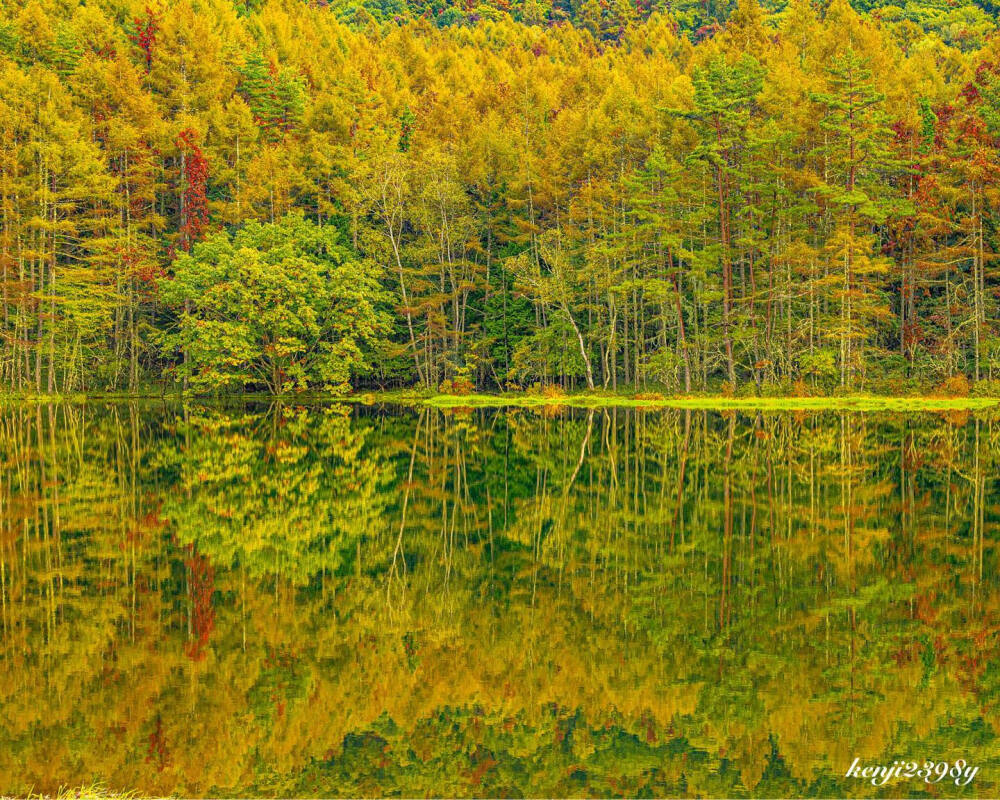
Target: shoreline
[(859, 402), (702, 402)]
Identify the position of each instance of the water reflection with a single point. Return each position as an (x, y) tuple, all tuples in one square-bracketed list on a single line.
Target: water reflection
[(268, 600)]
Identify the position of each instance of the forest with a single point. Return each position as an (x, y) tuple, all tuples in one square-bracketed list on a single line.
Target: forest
[(226, 196)]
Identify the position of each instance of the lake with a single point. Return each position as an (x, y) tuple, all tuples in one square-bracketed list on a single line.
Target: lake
[(345, 600)]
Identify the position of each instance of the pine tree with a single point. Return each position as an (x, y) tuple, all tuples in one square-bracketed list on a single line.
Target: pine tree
[(725, 100), (858, 169)]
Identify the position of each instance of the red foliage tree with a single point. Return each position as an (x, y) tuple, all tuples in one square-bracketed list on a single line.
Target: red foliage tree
[(194, 200), (143, 34)]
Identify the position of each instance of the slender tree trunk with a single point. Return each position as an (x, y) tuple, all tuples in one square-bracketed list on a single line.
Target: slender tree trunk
[(583, 347)]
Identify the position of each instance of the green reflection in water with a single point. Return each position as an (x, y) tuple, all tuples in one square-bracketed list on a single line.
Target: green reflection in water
[(258, 600)]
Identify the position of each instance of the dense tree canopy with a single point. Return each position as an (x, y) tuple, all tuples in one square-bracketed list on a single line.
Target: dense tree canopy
[(283, 305), (766, 197)]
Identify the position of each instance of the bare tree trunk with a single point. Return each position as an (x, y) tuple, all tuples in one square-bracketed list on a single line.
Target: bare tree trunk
[(583, 348)]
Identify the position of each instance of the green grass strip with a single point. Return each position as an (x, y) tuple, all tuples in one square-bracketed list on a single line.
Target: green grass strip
[(598, 400)]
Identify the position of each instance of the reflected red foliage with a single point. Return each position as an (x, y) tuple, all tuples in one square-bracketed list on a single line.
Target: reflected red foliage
[(202, 581)]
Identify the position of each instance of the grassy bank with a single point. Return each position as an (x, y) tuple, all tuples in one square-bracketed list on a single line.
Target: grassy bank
[(717, 402), (596, 399)]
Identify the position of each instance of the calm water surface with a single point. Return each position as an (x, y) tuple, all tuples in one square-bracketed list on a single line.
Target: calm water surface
[(279, 600)]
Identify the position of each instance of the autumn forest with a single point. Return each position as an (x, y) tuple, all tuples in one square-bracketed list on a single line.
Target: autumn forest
[(280, 196), (516, 398)]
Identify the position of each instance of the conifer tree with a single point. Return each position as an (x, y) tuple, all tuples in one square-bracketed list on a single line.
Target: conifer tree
[(725, 99), (858, 171)]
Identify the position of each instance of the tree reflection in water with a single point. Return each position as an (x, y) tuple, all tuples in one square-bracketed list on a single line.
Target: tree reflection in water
[(333, 600)]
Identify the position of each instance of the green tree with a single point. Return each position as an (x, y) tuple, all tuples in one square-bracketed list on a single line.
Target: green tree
[(725, 99), (858, 168), (280, 306)]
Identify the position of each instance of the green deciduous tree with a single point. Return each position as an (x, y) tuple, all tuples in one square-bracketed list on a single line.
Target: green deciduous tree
[(278, 306)]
